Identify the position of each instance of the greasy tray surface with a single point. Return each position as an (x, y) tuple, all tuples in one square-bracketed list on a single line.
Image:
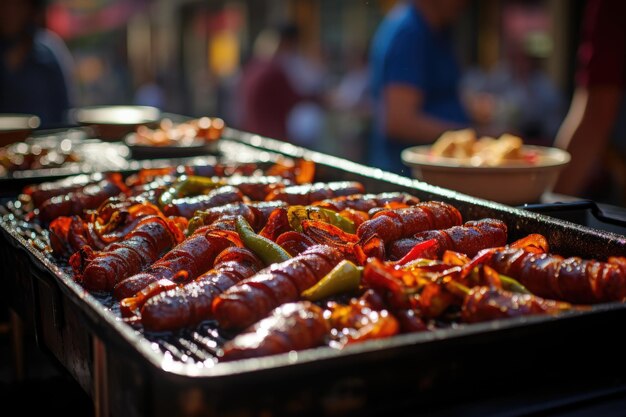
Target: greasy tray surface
[(93, 156), (99, 156), (566, 238), (198, 147)]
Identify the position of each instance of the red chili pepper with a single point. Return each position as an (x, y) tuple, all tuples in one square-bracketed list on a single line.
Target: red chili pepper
[(417, 251), (480, 258)]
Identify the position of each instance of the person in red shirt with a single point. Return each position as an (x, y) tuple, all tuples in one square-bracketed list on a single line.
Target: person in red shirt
[(601, 81), (267, 94)]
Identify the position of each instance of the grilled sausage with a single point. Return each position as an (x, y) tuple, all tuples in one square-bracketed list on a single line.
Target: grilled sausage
[(469, 239), (292, 326), (253, 298), (146, 243), (392, 225), (190, 304), (309, 193)]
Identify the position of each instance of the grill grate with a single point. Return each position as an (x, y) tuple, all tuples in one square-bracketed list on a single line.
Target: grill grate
[(13, 214), (200, 345)]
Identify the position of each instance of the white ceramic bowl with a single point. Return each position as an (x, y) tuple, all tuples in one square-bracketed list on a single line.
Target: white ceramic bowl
[(112, 123), (16, 127), (512, 184)]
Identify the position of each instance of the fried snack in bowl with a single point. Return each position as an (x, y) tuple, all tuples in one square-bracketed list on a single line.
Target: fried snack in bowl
[(503, 169)]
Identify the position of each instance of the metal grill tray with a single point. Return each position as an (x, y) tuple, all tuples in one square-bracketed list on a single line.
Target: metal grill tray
[(93, 156), (130, 373), (96, 155)]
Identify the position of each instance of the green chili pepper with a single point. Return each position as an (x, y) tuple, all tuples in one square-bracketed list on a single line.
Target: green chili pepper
[(345, 277), (298, 213), (186, 186), (508, 283), (264, 248), (196, 222), (417, 263), (513, 285), (457, 288)]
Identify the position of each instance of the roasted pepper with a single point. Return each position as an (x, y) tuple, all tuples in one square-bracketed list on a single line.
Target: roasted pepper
[(186, 186), (268, 251), (345, 277), (418, 263), (486, 275), (305, 171), (196, 222), (298, 213), (513, 285), (417, 251), (434, 300)]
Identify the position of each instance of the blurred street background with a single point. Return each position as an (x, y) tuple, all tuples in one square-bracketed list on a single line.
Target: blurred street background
[(517, 59), (191, 57)]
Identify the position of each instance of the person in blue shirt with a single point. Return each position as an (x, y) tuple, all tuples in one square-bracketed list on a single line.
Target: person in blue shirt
[(34, 64), (415, 79)]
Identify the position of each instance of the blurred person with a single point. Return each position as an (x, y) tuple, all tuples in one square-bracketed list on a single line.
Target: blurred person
[(415, 79), (307, 72), (594, 118), (35, 65), (351, 106), (267, 93), (353, 90), (150, 91), (308, 76), (305, 124), (517, 96)]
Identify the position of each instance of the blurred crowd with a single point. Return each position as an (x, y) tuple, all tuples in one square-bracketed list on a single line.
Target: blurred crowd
[(287, 94), (405, 84)]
